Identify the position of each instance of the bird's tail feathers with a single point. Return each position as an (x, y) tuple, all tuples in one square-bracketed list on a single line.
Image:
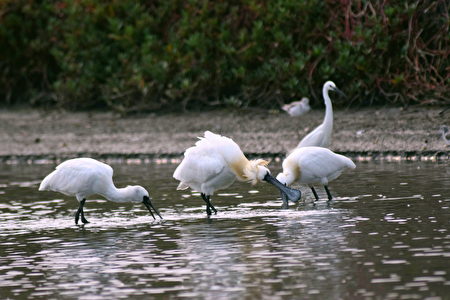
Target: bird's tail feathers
[(46, 182), (182, 186), (350, 164)]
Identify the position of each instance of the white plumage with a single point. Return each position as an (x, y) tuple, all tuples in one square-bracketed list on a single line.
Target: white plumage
[(204, 167), (314, 165), (79, 177), (297, 108), (214, 163), (444, 131), (83, 177), (321, 135)]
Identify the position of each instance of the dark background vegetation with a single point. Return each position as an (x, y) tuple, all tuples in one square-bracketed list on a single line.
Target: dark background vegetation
[(129, 55)]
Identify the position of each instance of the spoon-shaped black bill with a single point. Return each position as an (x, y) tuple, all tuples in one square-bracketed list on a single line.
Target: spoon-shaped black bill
[(150, 206), (292, 194)]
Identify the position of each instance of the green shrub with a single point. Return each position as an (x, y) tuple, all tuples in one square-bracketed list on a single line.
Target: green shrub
[(129, 55)]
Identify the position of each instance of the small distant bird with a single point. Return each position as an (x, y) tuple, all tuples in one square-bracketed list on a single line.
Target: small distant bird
[(444, 131), (321, 136), (297, 108), (313, 165), (83, 177), (215, 162)]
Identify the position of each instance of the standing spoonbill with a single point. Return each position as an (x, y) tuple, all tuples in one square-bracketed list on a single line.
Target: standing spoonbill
[(321, 136), (297, 108), (83, 177), (313, 165), (215, 162)]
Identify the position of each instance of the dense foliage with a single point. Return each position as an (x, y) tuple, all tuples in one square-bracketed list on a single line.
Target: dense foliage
[(130, 55)]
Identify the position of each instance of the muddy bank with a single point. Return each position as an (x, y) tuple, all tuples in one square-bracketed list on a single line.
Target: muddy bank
[(374, 131)]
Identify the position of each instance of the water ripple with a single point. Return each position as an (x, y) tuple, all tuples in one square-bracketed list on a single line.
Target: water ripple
[(384, 236)]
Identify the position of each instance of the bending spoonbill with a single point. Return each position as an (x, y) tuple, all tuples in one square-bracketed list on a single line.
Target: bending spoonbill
[(313, 165), (83, 177), (297, 108), (321, 136), (215, 162)]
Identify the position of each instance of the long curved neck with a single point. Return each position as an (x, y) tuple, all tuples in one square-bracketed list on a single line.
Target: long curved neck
[(119, 195), (328, 120), (238, 166)]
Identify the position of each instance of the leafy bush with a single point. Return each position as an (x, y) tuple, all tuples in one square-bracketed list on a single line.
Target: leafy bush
[(130, 55)]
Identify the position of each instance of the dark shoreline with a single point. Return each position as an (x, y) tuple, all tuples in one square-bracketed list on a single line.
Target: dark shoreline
[(33, 136), (141, 158)]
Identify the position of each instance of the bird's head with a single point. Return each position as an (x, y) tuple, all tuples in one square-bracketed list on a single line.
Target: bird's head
[(280, 183), (331, 86), (140, 195), (137, 193), (282, 177), (255, 171)]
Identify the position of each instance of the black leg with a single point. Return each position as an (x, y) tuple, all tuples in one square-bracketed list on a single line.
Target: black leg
[(83, 219), (315, 193), (208, 205), (208, 210), (328, 193), (80, 211)]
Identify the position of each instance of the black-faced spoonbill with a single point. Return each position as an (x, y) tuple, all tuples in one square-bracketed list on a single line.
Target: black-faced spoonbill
[(215, 162), (297, 108), (83, 177), (321, 135), (313, 165)]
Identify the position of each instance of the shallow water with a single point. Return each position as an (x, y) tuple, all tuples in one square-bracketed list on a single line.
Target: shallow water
[(384, 236)]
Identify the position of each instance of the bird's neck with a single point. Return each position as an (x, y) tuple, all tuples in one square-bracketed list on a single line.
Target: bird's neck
[(291, 171), (119, 195), (239, 166), (328, 120)]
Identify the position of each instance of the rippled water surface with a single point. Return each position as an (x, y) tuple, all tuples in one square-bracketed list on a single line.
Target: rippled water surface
[(385, 236)]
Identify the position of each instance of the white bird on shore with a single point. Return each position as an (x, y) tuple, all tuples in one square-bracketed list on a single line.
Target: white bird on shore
[(83, 177), (444, 132), (313, 165), (297, 108), (215, 162), (321, 136)]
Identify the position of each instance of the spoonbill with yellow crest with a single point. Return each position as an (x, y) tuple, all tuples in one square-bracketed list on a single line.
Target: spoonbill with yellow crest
[(215, 162)]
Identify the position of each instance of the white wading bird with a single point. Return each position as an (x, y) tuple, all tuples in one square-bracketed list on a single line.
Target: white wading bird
[(83, 177), (321, 136), (215, 162), (297, 108), (444, 132), (313, 165)]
